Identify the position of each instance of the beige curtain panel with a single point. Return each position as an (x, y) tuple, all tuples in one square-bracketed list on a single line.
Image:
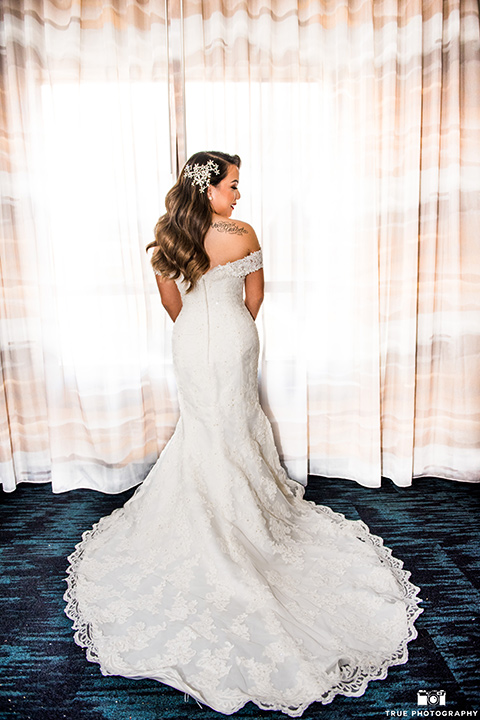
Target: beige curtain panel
[(358, 124)]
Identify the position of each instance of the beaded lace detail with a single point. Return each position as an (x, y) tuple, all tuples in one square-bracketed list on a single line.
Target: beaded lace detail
[(217, 577), (241, 267)]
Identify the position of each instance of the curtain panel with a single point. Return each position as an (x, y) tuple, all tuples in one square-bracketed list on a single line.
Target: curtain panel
[(358, 127), (87, 391)]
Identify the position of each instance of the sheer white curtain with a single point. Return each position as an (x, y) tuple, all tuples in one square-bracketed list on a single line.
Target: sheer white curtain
[(358, 123), (358, 127), (88, 398)]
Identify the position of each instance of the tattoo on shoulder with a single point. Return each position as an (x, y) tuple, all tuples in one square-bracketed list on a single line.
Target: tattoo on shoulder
[(229, 227)]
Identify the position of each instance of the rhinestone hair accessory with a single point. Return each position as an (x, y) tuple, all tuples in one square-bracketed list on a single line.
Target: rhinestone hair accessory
[(200, 174)]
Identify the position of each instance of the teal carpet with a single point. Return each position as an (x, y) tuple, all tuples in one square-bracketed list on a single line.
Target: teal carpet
[(432, 526)]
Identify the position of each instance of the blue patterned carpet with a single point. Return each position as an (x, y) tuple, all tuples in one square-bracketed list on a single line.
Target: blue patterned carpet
[(432, 526)]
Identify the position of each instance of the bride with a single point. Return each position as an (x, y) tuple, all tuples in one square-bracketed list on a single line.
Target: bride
[(216, 577)]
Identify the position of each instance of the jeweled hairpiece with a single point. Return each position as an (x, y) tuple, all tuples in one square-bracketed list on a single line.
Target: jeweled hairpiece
[(200, 174)]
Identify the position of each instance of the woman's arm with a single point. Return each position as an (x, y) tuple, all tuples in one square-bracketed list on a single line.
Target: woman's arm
[(254, 285), (170, 294)]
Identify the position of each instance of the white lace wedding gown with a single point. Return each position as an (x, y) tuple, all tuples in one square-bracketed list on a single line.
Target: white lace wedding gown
[(216, 577)]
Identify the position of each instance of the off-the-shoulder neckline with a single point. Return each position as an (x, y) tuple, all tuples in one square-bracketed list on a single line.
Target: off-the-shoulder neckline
[(232, 262)]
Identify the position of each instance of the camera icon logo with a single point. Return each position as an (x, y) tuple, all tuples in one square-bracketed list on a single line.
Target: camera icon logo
[(433, 698)]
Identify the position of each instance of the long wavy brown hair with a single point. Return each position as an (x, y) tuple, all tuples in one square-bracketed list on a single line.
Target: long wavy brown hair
[(180, 233)]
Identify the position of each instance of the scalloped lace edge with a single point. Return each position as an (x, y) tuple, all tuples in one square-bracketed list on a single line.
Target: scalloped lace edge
[(352, 686)]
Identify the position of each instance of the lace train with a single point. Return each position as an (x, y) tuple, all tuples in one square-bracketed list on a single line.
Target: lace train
[(352, 680)]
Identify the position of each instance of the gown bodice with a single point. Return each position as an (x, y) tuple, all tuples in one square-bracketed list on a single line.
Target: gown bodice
[(214, 325)]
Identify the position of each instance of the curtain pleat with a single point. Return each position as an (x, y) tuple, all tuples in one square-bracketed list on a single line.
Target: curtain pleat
[(358, 125)]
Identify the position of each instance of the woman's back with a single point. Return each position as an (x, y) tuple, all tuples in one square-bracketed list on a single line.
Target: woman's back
[(229, 240)]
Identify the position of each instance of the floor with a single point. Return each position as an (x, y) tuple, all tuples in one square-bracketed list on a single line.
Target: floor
[(433, 526)]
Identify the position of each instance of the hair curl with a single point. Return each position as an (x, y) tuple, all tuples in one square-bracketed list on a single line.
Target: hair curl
[(180, 233)]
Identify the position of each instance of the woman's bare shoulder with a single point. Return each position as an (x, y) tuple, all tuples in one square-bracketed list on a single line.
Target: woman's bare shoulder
[(230, 226), (235, 229), (228, 240)]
